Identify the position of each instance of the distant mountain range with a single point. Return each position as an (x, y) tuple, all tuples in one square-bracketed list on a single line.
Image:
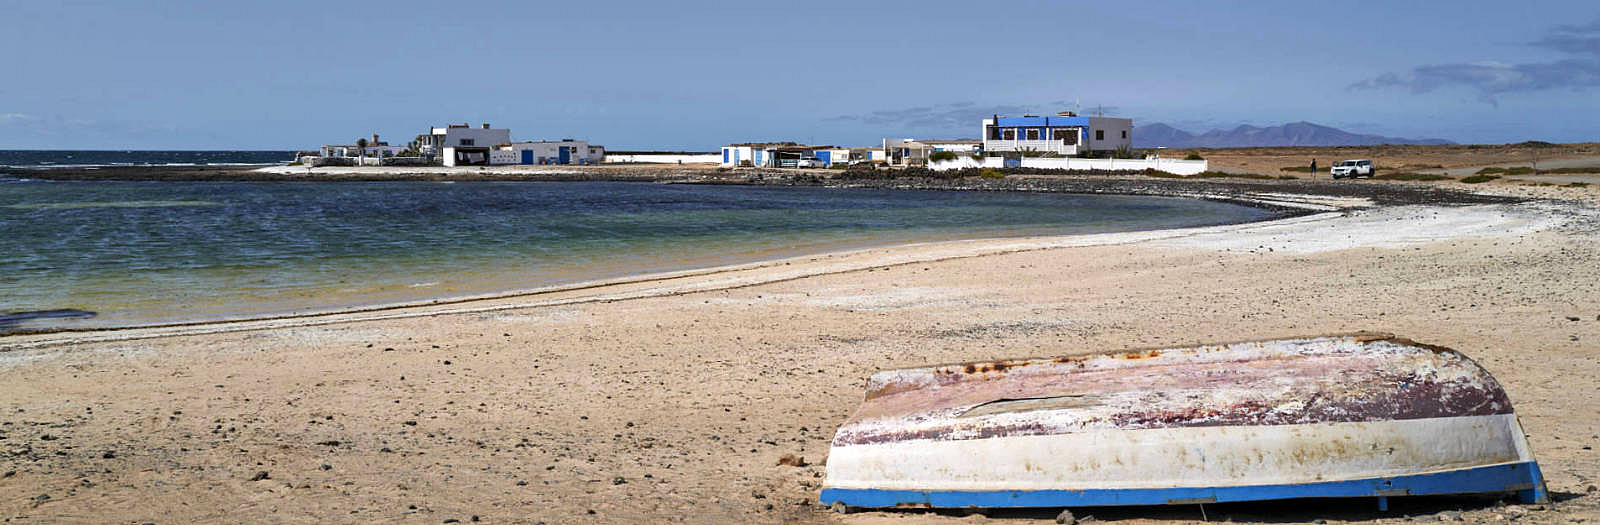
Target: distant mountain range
[(1245, 136)]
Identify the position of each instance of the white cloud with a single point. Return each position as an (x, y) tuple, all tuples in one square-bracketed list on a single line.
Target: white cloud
[(9, 118)]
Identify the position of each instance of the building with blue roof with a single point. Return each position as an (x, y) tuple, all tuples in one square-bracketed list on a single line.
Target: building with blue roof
[(1065, 134)]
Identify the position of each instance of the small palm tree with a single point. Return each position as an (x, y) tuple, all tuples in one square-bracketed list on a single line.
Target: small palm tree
[(361, 148)]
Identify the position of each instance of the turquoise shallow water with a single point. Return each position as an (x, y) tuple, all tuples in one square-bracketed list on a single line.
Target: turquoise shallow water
[(137, 253)]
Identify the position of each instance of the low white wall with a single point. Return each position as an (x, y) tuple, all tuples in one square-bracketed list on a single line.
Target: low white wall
[(711, 158), (1173, 166), (501, 157)]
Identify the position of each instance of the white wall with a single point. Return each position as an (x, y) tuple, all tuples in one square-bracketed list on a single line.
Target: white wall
[(1173, 166), (371, 151), (1119, 133), (550, 151), (958, 148), (838, 156), (712, 158), (737, 155), (501, 156), (481, 138), (1053, 146)]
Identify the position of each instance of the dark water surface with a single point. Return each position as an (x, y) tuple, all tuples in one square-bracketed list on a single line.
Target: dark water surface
[(156, 252), (34, 158)]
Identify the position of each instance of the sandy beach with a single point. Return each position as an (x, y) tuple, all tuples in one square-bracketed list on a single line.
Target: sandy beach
[(673, 397)]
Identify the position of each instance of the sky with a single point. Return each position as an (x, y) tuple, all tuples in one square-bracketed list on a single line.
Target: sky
[(692, 76)]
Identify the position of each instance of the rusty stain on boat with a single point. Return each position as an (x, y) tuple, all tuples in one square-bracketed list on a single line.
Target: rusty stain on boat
[(1208, 386), (1285, 413)]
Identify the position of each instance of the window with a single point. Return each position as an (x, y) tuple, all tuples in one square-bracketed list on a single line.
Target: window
[(467, 142), (994, 133), (1033, 134), (1099, 134), (1124, 133), (1010, 134)]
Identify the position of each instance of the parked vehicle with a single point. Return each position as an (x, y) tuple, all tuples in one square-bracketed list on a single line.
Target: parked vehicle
[(810, 163), (1353, 168)]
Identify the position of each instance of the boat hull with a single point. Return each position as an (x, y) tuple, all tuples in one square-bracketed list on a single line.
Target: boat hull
[(1522, 478), (1337, 416)]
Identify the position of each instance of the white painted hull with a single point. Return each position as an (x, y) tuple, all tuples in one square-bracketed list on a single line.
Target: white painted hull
[(1183, 457), (1336, 416)]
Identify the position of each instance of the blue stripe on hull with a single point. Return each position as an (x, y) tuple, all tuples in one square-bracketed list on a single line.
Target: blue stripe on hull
[(1522, 478)]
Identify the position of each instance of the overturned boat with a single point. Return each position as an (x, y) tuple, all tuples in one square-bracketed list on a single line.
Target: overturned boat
[(1361, 415)]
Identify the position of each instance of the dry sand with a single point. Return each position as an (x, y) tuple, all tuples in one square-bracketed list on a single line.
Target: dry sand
[(1453, 159), (672, 400)]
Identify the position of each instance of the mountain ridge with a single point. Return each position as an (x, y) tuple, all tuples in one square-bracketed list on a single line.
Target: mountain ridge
[(1246, 136)]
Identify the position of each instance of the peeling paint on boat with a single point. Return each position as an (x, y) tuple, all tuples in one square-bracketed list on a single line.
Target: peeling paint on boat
[(1271, 413)]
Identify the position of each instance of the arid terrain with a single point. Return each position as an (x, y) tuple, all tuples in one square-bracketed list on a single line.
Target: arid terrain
[(673, 398), (1457, 159)]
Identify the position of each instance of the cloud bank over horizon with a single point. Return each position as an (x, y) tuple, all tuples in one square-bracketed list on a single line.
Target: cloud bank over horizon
[(1493, 78)]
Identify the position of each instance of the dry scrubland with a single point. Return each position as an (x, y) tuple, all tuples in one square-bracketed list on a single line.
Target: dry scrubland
[(1391, 158), (674, 400)]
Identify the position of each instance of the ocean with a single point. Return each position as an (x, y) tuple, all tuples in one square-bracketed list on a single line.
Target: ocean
[(115, 254), (90, 158)]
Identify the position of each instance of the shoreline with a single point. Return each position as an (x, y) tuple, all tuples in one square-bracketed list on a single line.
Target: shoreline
[(980, 247), (1240, 189), (1287, 200), (678, 399), (725, 277)]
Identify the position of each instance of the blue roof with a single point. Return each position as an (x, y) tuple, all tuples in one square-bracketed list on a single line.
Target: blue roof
[(1042, 121)]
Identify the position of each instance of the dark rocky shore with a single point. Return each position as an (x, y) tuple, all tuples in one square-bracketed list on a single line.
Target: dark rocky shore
[(253, 174), (1245, 190), (1241, 190)]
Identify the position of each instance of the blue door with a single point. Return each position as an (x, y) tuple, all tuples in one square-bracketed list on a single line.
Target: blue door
[(566, 154), (527, 156)]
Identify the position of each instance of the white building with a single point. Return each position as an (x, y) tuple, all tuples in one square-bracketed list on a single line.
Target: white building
[(831, 156), (773, 154), (910, 152), (959, 146), (1064, 134), (374, 148), (868, 155), (905, 152), (465, 144), (742, 155), (548, 152)]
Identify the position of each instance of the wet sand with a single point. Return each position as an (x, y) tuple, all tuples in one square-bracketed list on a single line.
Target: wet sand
[(673, 399)]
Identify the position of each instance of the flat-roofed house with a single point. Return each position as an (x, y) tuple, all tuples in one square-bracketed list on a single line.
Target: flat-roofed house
[(460, 144), (770, 154), (1065, 134), (374, 148), (906, 152), (549, 152)]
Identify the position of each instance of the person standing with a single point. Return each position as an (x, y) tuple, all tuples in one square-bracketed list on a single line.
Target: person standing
[(1313, 169)]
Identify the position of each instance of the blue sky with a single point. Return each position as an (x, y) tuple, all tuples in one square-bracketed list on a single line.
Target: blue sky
[(696, 75)]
